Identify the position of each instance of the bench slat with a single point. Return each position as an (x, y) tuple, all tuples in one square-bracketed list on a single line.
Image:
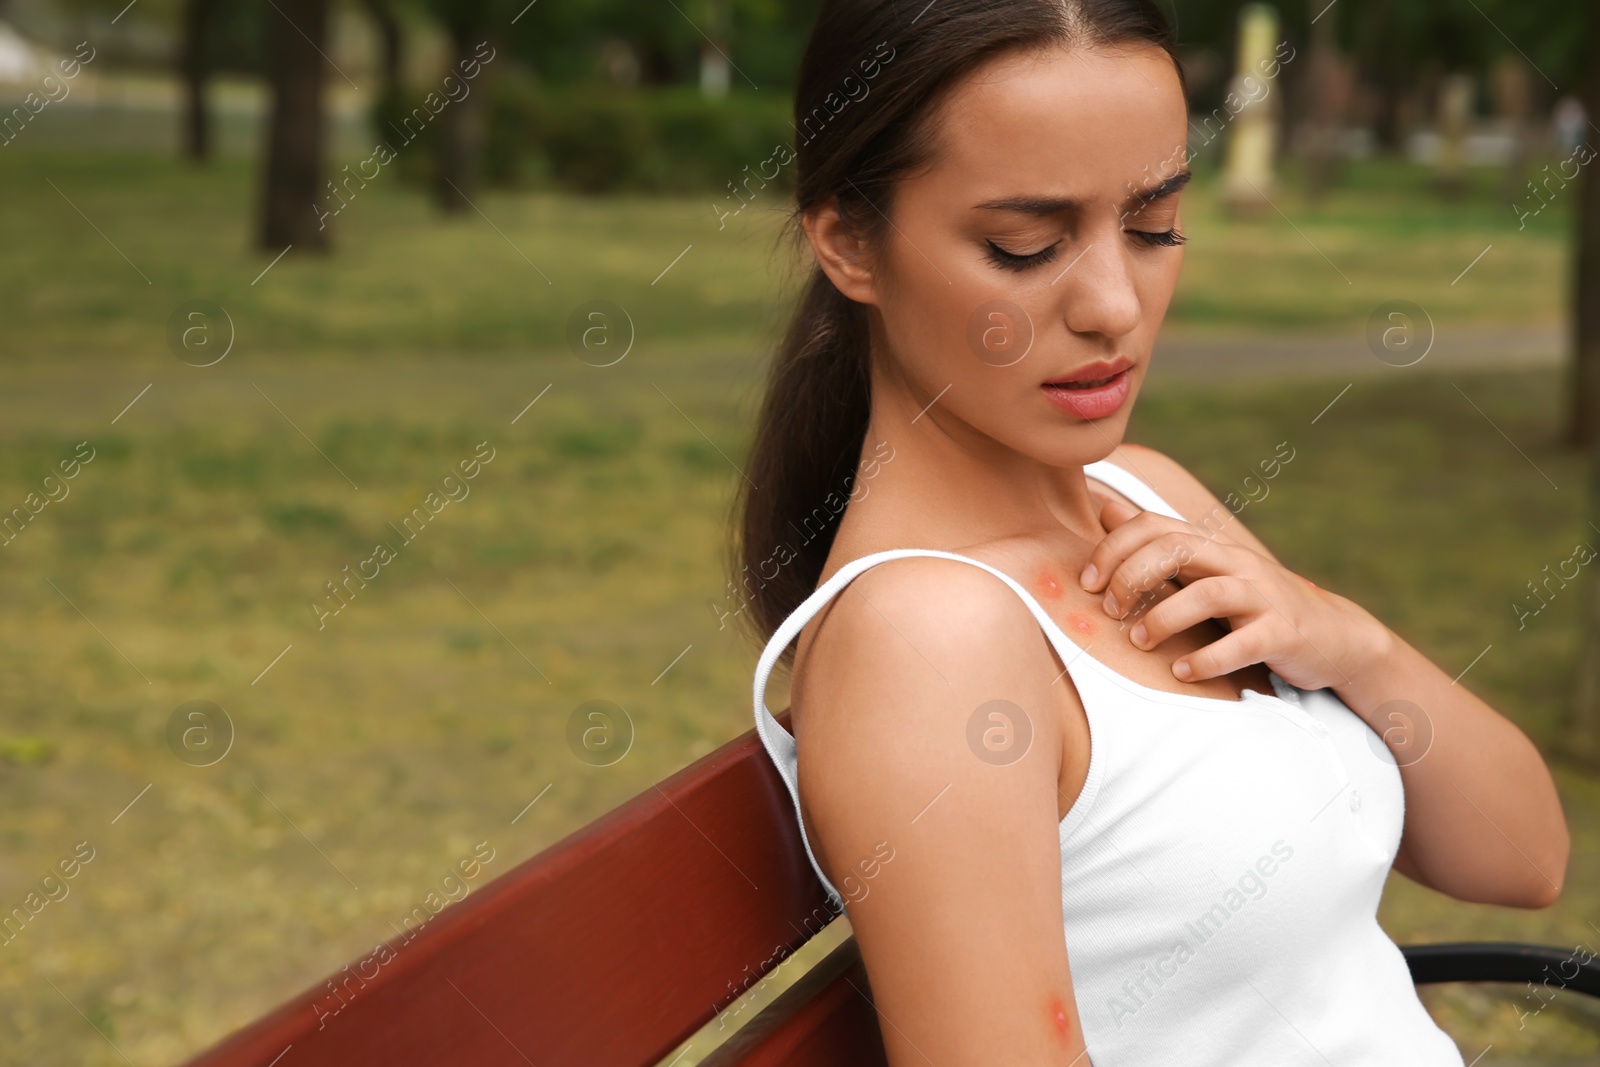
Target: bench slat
[(608, 949), (825, 1019)]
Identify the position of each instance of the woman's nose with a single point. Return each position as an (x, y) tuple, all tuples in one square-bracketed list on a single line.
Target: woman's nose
[(1098, 290)]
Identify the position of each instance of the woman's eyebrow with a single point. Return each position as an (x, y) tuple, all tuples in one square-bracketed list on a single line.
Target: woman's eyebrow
[(1164, 188), (1029, 205), (1050, 205)]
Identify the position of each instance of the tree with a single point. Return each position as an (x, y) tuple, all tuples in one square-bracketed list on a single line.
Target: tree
[(1322, 115), (714, 61), (1583, 416), (391, 44), (1582, 726), (562, 43), (193, 68), (296, 70), (461, 127)]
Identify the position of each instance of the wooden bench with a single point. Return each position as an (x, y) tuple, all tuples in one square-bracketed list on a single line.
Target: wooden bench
[(614, 946)]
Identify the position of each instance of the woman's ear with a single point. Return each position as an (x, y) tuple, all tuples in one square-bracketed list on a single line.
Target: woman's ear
[(840, 253)]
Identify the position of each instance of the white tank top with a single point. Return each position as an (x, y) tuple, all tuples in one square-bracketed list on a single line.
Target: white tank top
[(1221, 868)]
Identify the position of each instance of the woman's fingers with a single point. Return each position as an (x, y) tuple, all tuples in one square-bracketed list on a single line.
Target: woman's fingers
[(1238, 649), (1128, 543), (1130, 608), (1175, 556), (1213, 597), (1127, 530)]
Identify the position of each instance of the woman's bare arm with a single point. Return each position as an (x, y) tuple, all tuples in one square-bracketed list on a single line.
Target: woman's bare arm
[(962, 929), (1483, 819)]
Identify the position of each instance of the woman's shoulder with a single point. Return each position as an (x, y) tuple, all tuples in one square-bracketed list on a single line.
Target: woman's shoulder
[(915, 625), (932, 603), (919, 666)]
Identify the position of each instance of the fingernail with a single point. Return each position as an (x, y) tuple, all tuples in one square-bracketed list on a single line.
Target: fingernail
[(1181, 669), (1110, 602), (1139, 634), (1090, 573)]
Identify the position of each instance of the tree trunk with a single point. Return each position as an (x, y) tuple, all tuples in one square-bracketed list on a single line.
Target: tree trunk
[(390, 44), (291, 198), (1322, 111), (1581, 730), (1513, 85), (1583, 393), (461, 129), (714, 75), (196, 136), (1582, 727)]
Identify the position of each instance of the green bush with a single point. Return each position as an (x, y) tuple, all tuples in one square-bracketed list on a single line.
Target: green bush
[(604, 139), (599, 139)]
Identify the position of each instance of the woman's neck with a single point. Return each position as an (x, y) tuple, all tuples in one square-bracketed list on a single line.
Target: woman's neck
[(929, 480)]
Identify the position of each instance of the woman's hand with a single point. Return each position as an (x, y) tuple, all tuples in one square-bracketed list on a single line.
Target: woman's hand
[(1312, 638), (1483, 820)]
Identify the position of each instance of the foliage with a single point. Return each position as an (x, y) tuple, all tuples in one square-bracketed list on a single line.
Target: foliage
[(609, 139), (562, 43)]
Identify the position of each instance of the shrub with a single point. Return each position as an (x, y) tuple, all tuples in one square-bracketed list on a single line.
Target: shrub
[(599, 139)]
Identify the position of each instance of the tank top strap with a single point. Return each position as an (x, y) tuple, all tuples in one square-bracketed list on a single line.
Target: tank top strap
[(1130, 486), (780, 744)]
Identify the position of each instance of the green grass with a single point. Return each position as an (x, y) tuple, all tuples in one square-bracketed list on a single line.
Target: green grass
[(1384, 234), (433, 708)]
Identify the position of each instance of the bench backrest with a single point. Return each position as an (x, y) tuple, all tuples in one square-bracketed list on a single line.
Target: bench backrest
[(608, 949)]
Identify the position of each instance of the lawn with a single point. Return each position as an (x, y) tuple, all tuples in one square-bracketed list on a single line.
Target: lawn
[(375, 748)]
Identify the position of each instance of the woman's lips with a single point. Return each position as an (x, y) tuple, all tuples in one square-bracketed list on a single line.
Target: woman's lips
[(1091, 402)]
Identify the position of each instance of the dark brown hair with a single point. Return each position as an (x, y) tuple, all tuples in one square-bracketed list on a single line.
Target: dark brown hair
[(869, 85)]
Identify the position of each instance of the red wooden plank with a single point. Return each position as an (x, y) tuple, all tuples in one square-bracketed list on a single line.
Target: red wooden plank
[(606, 950)]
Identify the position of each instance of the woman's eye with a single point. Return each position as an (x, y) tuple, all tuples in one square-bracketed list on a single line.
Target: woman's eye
[(1161, 238), (1019, 261)]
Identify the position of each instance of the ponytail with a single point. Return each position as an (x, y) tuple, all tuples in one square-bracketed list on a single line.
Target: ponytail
[(808, 441)]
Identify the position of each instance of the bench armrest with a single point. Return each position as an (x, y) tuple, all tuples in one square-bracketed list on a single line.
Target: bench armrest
[(1502, 961)]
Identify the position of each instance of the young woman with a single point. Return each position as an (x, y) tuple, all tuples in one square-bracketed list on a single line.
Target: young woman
[(1098, 779)]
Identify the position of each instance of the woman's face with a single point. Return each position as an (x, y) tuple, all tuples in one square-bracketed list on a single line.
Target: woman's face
[(1040, 246)]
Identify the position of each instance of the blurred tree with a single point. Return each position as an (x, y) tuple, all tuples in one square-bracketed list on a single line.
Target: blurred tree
[(714, 60), (562, 43), (207, 37), (1326, 106), (1454, 113), (387, 19), (1582, 732), (193, 65), (1514, 103), (461, 125), (391, 43), (296, 68)]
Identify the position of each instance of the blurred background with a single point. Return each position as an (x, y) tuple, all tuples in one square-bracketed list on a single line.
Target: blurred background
[(494, 284)]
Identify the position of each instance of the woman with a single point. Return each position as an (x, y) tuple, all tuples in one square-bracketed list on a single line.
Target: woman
[(1208, 813)]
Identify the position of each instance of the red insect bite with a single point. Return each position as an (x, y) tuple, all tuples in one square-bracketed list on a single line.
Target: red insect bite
[(1080, 623), (1048, 584), (1058, 1018)]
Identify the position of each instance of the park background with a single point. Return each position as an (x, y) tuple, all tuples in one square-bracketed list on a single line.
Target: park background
[(352, 349)]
